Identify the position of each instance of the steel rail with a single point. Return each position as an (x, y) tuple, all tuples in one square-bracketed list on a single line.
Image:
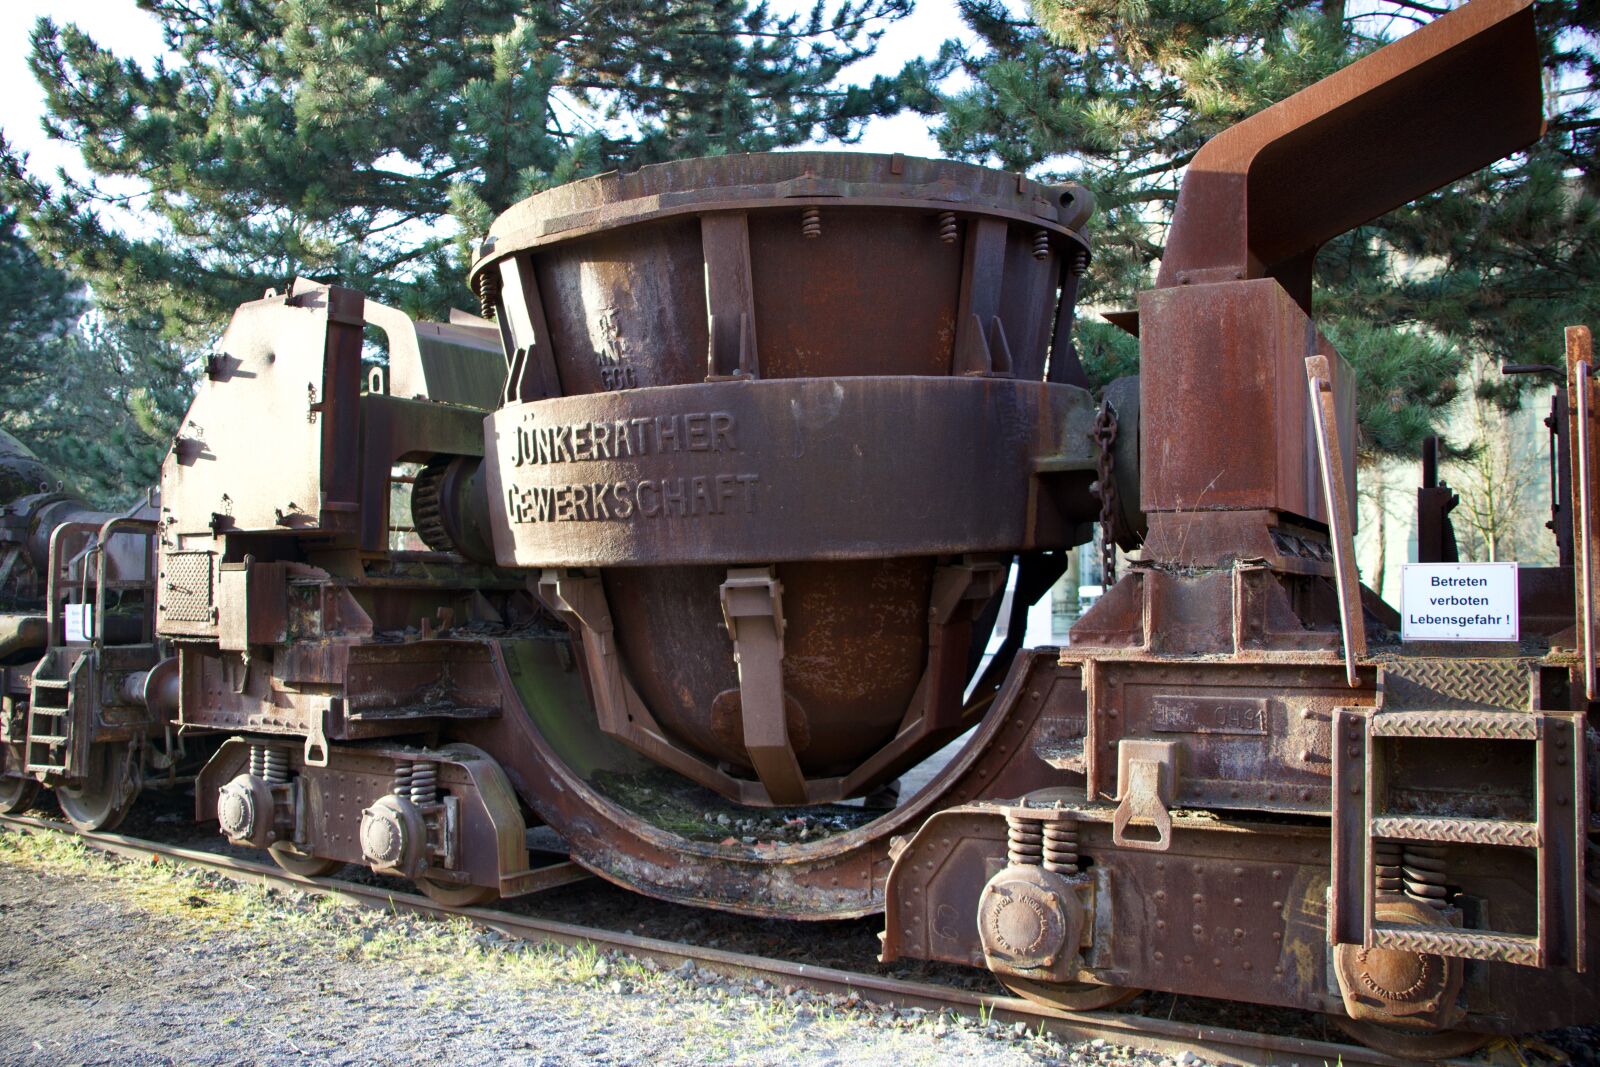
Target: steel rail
[(1152, 1035)]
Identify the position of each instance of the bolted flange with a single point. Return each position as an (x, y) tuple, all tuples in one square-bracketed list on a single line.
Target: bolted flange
[(393, 836), (247, 811), (1400, 987), (1031, 923)]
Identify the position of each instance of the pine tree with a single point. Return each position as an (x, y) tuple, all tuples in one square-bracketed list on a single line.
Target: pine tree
[(38, 306), (337, 138), (103, 406), (96, 400), (1120, 95)]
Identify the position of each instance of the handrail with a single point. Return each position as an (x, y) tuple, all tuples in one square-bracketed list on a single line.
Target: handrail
[(1585, 554), (1329, 451), (119, 525), (57, 622)]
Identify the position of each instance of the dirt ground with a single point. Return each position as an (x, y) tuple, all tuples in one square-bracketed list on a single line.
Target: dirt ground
[(107, 962)]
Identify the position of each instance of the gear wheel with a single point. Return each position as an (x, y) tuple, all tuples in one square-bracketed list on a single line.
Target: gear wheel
[(427, 506)]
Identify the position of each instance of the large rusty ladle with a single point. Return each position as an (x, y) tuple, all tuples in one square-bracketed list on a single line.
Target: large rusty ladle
[(775, 427)]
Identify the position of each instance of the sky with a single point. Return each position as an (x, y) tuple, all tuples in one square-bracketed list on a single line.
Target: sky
[(115, 23)]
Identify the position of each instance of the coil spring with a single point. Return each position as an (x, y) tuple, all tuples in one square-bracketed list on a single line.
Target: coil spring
[(949, 229), (424, 783), (1080, 263), (1423, 869), (488, 288), (269, 764), (1386, 857), (1024, 842), (1041, 244), (402, 779), (1061, 846), (810, 223)]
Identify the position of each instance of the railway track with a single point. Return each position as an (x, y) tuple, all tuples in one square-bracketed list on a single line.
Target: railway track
[(1151, 1035)]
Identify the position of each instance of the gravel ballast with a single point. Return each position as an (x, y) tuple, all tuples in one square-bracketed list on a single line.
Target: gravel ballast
[(108, 962)]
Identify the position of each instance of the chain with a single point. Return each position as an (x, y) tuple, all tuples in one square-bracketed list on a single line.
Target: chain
[(1104, 436)]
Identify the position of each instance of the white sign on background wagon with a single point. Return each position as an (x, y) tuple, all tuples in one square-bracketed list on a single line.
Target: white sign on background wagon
[(1458, 602), (79, 622)]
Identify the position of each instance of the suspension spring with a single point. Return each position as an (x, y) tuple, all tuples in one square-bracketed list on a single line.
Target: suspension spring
[(1041, 244), (1061, 846), (949, 229), (402, 779), (810, 223), (424, 783), (488, 287), (1423, 869), (269, 763), (1024, 841), (1386, 856), (1080, 264)]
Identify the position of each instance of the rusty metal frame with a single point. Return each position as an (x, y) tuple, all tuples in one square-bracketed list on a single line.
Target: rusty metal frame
[(1261, 197), (934, 713)]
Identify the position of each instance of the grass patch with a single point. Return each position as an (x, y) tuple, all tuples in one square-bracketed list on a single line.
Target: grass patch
[(460, 963)]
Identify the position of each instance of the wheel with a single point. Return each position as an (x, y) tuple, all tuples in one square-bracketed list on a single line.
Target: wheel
[(452, 895), (1402, 1001), (1069, 996), (102, 800), (298, 863), (1413, 1044), (17, 794), (17, 791)]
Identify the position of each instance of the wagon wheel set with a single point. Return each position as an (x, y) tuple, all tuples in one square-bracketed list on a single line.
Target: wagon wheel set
[(99, 800)]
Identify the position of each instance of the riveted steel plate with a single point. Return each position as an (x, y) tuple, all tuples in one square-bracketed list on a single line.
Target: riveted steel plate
[(752, 472)]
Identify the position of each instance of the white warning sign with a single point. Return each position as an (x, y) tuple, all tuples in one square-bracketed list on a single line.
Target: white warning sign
[(1458, 602), (79, 622)]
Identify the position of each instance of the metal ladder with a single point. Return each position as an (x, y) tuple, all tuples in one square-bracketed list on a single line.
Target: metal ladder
[(61, 706), (52, 743), (1364, 823)]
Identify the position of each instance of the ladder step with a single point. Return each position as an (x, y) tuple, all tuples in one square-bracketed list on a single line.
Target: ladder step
[(50, 683), (45, 739), (1487, 945), (1463, 725), (1503, 832)]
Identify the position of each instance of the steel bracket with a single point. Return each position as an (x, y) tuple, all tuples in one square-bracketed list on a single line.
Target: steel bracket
[(752, 607), (1146, 775), (316, 746), (580, 601)]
